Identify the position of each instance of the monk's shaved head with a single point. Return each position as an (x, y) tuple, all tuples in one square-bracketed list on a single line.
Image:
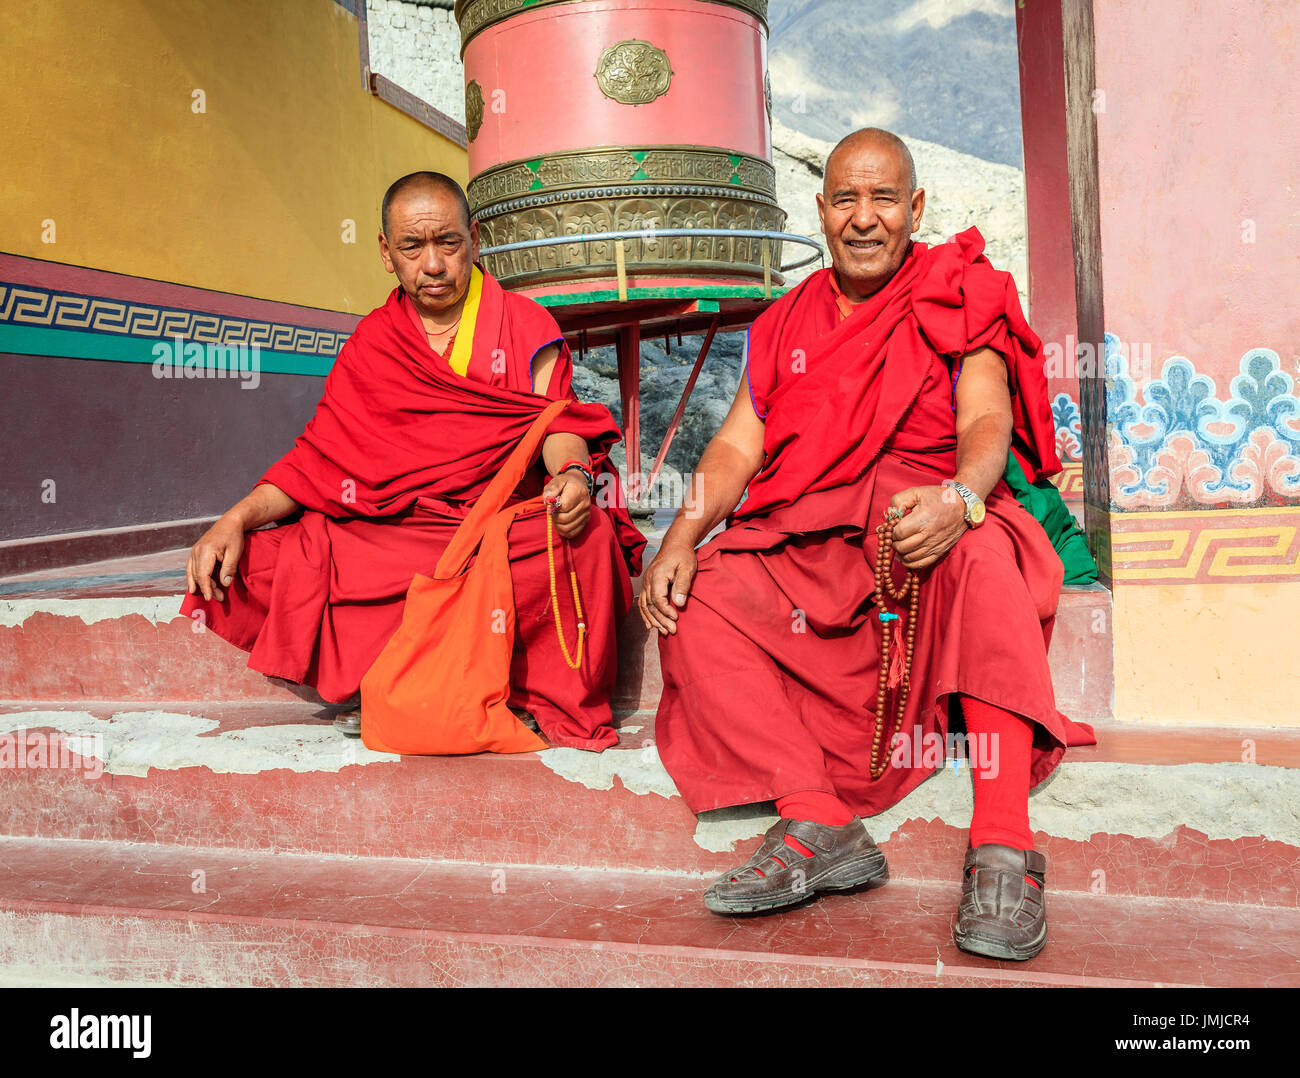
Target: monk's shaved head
[(869, 207), (873, 137), (429, 242), (422, 182)]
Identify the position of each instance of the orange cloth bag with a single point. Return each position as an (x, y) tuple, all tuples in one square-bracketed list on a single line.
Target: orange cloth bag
[(441, 683)]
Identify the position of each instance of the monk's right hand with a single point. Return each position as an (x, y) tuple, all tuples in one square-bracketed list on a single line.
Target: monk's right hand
[(221, 544), (665, 587)]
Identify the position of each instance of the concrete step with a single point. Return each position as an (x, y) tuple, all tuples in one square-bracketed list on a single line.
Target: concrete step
[(136, 752), (112, 631), (130, 914), (1154, 813)]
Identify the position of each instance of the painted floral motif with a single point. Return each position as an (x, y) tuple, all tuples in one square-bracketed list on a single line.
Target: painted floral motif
[(1069, 432), (1181, 446)]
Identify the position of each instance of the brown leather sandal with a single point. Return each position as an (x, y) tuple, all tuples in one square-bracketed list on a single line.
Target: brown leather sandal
[(777, 876), (1003, 910)]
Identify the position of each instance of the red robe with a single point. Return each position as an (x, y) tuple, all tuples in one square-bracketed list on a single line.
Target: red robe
[(770, 680), (399, 448)]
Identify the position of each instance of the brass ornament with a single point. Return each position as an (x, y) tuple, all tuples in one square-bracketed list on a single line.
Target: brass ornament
[(473, 109), (474, 15), (740, 256), (633, 72), (576, 169)]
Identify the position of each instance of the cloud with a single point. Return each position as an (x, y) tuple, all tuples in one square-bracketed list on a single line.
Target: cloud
[(936, 14)]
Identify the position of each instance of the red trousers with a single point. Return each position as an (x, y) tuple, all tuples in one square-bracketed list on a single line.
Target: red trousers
[(315, 601)]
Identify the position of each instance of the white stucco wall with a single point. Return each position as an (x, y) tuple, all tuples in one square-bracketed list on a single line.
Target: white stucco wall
[(418, 47)]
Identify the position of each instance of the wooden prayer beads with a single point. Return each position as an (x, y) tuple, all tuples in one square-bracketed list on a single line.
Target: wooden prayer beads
[(910, 593), (572, 661)]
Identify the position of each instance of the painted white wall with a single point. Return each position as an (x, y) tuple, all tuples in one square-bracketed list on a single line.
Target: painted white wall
[(418, 47)]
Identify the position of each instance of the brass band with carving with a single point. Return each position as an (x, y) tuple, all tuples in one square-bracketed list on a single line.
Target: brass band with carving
[(686, 255), (474, 15), (623, 165)]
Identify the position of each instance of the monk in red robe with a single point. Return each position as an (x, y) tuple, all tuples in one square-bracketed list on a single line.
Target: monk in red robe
[(884, 392), (422, 407)]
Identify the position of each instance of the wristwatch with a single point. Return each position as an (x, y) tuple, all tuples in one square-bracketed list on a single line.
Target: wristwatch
[(974, 507), (586, 475)]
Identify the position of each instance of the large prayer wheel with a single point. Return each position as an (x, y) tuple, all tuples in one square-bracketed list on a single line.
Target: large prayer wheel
[(592, 117)]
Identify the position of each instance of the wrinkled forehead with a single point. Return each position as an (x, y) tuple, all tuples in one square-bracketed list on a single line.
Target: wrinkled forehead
[(425, 209), (870, 164)]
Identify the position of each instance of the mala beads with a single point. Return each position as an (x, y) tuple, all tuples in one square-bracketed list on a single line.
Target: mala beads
[(909, 593), (571, 660)]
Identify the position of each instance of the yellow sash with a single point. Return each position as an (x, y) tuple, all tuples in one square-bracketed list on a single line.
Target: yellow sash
[(460, 351)]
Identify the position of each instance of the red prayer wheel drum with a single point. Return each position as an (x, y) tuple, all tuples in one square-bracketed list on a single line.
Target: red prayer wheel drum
[(592, 116)]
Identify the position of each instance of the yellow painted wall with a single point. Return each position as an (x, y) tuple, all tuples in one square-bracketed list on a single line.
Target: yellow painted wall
[(1220, 654), (99, 134)]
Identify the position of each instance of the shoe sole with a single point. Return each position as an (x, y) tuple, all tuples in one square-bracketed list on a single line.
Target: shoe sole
[(990, 947), (861, 872)]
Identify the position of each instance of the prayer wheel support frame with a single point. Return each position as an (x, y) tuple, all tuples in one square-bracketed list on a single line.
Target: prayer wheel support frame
[(592, 314)]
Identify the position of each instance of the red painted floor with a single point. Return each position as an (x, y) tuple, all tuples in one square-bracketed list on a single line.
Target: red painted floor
[(383, 873), (522, 812), (314, 920)]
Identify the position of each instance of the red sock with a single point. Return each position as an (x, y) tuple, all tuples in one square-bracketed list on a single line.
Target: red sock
[(815, 807), (1000, 743)]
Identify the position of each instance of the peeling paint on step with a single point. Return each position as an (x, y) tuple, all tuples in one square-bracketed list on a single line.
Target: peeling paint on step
[(719, 831), (133, 742), (1223, 801), (639, 770), (158, 609)]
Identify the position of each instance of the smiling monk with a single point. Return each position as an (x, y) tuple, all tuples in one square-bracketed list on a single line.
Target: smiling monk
[(800, 660), (426, 401)]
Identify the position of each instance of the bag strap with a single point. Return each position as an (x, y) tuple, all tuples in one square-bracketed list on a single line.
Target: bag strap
[(493, 499)]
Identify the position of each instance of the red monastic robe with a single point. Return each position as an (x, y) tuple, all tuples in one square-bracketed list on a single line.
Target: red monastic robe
[(399, 448), (770, 680)]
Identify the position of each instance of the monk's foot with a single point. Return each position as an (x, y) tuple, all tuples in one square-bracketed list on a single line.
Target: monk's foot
[(777, 876), (349, 723), (526, 717), (1003, 911)]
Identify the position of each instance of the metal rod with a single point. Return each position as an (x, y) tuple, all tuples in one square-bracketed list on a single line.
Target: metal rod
[(681, 404), (628, 350)]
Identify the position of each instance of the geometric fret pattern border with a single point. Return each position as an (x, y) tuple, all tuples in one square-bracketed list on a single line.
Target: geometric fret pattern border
[(1241, 546), (25, 305), (1069, 481)]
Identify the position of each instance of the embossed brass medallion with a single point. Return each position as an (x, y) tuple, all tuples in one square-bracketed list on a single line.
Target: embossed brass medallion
[(473, 109), (633, 72)]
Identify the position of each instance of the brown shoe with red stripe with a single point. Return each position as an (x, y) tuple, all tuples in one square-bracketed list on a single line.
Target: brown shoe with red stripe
[(777, 876), (1003, 911)]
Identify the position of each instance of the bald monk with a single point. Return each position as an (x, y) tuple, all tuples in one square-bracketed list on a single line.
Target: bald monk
[(427, 399), (887, 388)]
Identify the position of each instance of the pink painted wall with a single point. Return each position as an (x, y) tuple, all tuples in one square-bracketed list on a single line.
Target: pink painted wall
[(545, 63), (1198, 132)]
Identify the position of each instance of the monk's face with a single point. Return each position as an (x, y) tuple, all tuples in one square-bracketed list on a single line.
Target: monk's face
[(430, 248), (868, 214)]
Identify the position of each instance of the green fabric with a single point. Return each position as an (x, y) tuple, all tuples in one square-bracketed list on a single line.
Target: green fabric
[(1046, 506)]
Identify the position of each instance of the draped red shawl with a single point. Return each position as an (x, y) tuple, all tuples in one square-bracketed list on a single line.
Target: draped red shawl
[(830, 403), (394, 426)]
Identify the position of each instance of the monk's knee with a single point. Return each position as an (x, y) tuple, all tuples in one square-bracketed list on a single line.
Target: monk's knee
[(972, 556)]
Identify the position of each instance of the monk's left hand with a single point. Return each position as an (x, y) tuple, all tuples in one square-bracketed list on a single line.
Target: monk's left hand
[(572, 503), (934, 518)]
